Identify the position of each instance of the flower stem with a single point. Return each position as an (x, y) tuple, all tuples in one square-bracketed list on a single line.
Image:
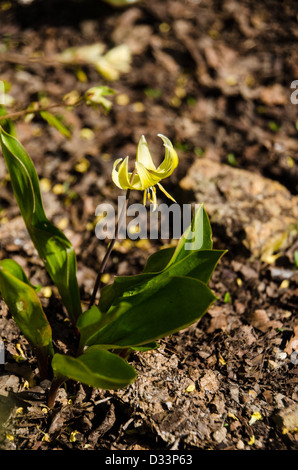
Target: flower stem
[(97, 284), (42, 356), (56, 384)]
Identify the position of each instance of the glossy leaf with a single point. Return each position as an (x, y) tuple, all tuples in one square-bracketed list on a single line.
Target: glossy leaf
[(196, 241), (52, 245), (24, 305), (56, 123), (140, 309), (88, 322), (154, 313), (96, 368), (92, 320), (159, 260), (146, 347), (199, 265), (198, 236), (7, 124), (15, 270)]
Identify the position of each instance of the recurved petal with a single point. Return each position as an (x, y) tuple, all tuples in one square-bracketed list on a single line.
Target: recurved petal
[(165, 192), (123, 176), (143, 154), (115, 174), (147, 178), (170, 161)]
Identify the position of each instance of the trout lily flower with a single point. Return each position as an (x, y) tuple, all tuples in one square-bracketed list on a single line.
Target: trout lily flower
[(145, 175)]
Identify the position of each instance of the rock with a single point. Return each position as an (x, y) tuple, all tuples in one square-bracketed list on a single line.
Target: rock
[(287, 418), (209, 382), (8, 383), (220, 434), (256, 211), (240, 445)]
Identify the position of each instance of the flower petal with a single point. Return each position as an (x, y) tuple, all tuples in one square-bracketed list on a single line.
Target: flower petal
[(115, 175), (165, 192), (147, 178), (171, 160), (143, 154), (123, 175)]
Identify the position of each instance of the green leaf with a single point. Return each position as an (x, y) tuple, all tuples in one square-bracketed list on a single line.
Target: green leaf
[(120, 286), (24, 305), (296, 258), (56, 123), (198, 236), (53, 247), (96, 368), (199, 265), (138, 310), (88, 322), (196, 239), (16, 270), (151, 315), (146, 347), (7, 124), (159, 260), (92, 320)]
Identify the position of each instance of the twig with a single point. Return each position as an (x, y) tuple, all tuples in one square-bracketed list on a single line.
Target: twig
[(17, 114), (46, 61)]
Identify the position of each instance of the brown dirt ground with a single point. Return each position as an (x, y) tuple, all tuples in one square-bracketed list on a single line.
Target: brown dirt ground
[(214, 76)]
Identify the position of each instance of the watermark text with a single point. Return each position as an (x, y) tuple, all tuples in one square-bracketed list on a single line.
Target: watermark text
[(294, 95), (166, 222)]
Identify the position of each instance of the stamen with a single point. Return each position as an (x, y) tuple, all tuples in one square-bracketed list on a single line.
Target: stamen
[(145, 197)]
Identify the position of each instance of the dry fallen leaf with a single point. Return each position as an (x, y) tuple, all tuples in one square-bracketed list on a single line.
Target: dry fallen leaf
[(293, 343), (274, 95), (259, 319)]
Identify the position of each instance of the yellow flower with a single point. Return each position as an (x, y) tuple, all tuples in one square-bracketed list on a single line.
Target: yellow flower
[(145, 175)]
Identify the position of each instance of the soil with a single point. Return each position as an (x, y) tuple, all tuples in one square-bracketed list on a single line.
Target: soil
[(215, 77)]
